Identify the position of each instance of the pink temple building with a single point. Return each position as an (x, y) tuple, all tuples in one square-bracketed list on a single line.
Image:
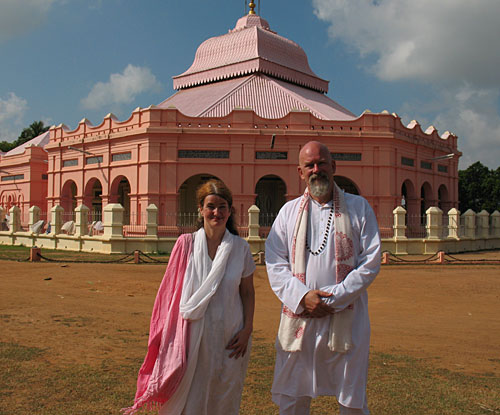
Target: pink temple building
[(241, 113)]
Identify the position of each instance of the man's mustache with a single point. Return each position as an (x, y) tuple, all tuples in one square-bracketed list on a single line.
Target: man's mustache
[(317, 176)]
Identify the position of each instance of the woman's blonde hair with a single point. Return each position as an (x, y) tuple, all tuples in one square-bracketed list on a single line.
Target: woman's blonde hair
[(217, 188)]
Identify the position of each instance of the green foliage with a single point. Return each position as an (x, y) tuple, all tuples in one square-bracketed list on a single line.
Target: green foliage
[(479, 188), (34, 130)]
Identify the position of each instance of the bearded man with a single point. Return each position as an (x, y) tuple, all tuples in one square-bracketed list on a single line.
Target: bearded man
[(322, 253)]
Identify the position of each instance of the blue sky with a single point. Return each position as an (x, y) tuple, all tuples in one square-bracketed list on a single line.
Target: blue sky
[(433, 61)]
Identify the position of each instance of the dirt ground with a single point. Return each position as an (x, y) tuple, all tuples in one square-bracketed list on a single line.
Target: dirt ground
[(447, 315)]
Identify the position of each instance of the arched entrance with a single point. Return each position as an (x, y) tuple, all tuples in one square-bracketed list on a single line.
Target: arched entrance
[(270, 191), (443, 198), (425, 200), (92, 199), (347, 185), (120, 193), (68, 200)]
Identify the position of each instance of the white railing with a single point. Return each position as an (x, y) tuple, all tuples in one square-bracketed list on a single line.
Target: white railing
[(113, 222)]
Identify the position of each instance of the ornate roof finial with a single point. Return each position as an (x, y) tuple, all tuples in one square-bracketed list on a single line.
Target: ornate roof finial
[(252, 7)]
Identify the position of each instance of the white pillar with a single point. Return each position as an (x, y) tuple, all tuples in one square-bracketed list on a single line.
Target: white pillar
[(399, 223), (434, 224), (253, 222), (56, 220), (453, 223), (14, 219), (495, 224), (152, 223), (483, 224), (113, 220), (34, 216), (470, 224), (81, 220)]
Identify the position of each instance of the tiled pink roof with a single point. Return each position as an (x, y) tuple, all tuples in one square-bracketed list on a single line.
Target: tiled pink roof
[(251, 47), (268, 97), (40, 141)]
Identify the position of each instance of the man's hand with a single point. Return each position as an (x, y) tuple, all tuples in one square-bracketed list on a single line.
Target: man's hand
[(314, 305)]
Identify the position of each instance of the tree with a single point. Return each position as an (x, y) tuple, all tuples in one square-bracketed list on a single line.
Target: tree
[(479, 188), (34, 130)]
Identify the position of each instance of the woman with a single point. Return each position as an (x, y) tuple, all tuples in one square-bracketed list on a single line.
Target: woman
[(202, 319)]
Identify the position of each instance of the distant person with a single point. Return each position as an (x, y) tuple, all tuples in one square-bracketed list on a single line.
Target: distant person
[(322, 253), (199, 340)]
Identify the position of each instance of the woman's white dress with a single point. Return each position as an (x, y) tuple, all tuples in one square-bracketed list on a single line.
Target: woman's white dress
[(217, 382)]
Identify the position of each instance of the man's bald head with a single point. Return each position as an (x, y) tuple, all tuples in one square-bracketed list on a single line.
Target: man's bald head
[(317, 168)]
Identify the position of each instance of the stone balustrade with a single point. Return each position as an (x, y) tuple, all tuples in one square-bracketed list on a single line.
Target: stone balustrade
[(451, 233)]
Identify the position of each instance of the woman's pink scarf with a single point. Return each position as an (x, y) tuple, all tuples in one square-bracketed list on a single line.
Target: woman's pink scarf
[(166, 359)]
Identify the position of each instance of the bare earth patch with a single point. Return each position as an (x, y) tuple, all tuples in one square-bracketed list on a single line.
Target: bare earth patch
[(445, 316)]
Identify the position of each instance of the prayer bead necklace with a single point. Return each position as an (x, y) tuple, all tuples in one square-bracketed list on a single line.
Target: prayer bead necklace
[(325, 238)]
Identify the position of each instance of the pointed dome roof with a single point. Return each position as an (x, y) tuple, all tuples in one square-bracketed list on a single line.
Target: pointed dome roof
[(251, 47)]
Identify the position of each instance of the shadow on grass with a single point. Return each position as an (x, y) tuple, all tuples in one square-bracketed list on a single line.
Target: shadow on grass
[(397, 385)]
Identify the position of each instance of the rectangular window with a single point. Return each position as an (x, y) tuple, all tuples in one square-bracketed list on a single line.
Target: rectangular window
[(271, 155), (442, 168), (346, 156), (405, 161), (69, 163), (203, 154), (12, 178), (121, 156), (426, 165), (45, 177), (94, 160)]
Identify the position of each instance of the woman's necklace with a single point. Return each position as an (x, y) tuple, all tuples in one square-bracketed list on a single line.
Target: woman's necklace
[(325, 237)]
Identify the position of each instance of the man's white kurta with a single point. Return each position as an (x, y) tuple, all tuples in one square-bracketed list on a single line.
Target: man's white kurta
[(316, 370)]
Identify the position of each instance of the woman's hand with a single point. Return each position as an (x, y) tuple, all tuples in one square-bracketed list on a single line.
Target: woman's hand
[(239, 343)]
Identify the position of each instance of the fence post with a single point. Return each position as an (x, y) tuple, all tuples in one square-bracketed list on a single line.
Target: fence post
[(113, 220), (495, 224), (399, 223), (56, 220), (470, 224), (82, 220), (483, 222), (34, 216), (152, 223), (453, 223), (434, 223), (14, 219), (253, 222)]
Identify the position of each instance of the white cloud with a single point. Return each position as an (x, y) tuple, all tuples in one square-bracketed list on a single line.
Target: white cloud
[(450, 46), (122, 88), (20, 16), (12, 111), (446, 40)]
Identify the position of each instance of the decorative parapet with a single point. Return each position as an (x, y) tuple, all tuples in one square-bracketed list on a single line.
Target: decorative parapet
[(81, 220), (453, 223), (253, 222), (113, 220), (434, 225), (399, 223), (483, 221), (56, 220), (469, 224), (152, 220)]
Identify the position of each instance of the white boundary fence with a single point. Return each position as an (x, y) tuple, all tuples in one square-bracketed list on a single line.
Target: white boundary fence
[(107, 232)]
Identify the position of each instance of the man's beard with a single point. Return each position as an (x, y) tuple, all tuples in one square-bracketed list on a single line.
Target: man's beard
[(319, 184)]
